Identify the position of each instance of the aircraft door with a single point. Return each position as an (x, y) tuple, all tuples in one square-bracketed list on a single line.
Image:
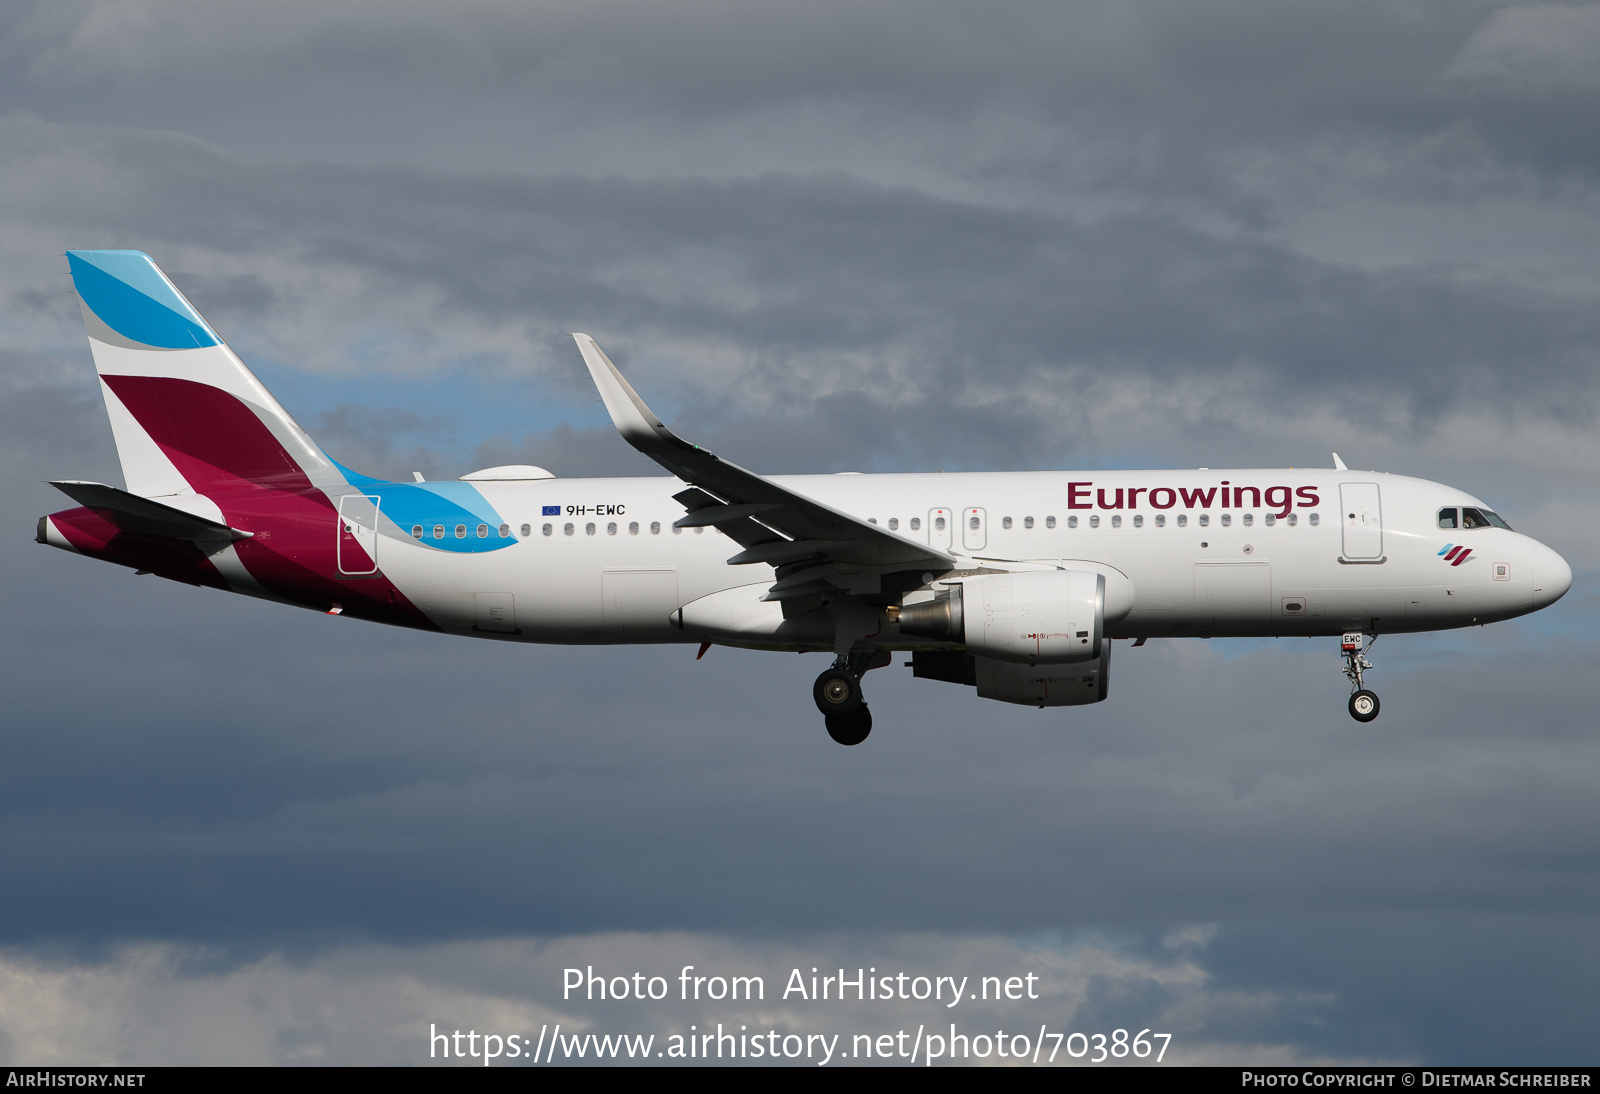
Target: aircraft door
[(1362, 519), (357, 546), (497, 613), (974, 529), (638, 603), (1233, 596), (941, 530)]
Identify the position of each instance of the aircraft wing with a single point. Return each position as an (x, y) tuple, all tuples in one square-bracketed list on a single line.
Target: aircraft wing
[(132, 513), (813, 545)]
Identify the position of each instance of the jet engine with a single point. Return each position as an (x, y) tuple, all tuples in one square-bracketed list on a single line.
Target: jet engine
[(1043, 617)]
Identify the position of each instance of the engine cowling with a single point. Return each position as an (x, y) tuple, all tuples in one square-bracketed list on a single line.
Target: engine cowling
[(1042, 617), (1045, 685), (1009, 682)]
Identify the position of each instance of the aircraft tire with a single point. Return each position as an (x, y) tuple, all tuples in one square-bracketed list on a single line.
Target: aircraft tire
[(1363, 706), (837, 691), (851, 728)]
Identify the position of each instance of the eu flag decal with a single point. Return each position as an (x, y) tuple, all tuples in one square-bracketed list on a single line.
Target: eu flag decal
[(552, 511)]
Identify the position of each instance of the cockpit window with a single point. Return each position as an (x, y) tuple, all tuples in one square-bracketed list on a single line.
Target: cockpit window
[(1482, 518), (1447, 518)]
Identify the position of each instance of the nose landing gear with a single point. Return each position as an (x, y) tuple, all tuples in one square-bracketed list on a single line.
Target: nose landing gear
[(1363, 703)]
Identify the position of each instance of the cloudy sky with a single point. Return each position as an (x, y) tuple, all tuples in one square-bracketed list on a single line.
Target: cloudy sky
[(820, 237)]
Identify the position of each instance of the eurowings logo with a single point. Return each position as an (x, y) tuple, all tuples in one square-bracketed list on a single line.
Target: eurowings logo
[(1454, 555)]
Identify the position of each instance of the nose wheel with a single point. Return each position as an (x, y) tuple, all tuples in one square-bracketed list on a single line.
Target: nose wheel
[(1363, 703)]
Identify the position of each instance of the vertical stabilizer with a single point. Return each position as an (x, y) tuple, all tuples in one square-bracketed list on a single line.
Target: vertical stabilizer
[(187, 415)]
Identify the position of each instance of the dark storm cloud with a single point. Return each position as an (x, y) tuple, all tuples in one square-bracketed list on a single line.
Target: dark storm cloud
[(821, 286)]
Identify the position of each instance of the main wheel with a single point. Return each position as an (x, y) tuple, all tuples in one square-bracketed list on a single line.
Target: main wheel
[(851, 728), (1363, 706), (837, 691)]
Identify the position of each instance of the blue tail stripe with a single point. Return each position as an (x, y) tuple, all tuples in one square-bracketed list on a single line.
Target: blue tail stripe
[(130, 296)]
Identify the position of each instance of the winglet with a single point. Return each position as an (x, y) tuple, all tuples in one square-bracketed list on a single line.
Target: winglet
[(636, 422), (1338, 464)]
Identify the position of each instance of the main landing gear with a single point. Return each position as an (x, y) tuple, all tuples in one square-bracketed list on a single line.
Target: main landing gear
[(838, 695), (1363, 703)]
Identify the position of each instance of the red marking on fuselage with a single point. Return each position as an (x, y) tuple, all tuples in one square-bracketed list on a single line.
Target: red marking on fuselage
[(224, 451)]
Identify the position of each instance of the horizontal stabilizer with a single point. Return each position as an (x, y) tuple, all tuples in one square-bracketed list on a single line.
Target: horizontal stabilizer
[(132, 513)]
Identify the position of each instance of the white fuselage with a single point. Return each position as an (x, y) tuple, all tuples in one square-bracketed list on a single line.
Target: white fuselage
[(1346, 551)]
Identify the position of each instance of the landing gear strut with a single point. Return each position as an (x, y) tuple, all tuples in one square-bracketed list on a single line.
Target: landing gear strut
[(838, 695), (1363, 703)]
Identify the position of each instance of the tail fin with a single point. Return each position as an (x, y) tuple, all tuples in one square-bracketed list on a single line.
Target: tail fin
[(187, 415)]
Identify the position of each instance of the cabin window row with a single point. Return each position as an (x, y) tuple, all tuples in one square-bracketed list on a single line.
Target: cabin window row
[(1247, 520)]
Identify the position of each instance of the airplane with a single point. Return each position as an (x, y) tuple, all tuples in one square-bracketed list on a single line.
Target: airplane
[(1015, 584)]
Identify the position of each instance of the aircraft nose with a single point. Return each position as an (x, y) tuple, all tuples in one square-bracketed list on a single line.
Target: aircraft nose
[(1552, 577)]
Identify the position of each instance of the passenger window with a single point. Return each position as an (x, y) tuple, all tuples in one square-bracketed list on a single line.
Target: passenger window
[(461, 531), (527, 530), (611, 528), (973, 523), (1161, 520), (1072, 521), (894, 524), (1294, 518), (547, 529), (483, 531), (676, 530), (1027, 522), (1183, 520), (588, 529), (1205, 520), (505, 531), (1447, 518), (655, 528), (438, 531), (416, 531), (1227, 519), (1094, 521), (1249, 519), (633, 527), (700, 531), (1005, 522), (1049, 522), (1272, 518), (566, 529), (1116, 520), (1315, 520), (1138, 520), (938, 524), (916, 522)]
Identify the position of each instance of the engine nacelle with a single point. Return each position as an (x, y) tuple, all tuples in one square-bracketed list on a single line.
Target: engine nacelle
[(1028, 685), (1041, 617)]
